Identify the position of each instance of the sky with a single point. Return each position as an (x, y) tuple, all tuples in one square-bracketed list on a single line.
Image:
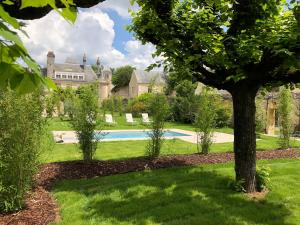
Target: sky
[(98, 32)]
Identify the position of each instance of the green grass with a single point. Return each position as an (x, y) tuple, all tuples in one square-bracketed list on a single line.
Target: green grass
[(130, 149), (180, 196), (62, 125)]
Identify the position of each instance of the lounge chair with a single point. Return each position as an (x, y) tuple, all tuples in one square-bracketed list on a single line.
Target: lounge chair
[(109, 119), (145, 118), (129, 119)]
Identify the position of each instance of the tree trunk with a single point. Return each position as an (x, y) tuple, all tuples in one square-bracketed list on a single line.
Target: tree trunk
[(245, 136)]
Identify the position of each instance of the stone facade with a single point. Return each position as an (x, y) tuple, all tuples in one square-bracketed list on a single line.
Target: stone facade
[(74, 74), (144, 82)]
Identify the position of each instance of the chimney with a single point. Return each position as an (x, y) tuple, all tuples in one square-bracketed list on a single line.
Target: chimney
[(84, 60), (50, 64)]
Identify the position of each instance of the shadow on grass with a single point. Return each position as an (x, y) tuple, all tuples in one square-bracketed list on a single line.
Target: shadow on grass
[(171, 196)]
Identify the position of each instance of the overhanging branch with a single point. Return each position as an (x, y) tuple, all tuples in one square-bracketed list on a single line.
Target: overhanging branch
[(31, 13)]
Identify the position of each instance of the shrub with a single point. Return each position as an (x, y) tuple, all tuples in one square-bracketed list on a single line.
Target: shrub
[(262, 178), (140, 104), (108, 105), (21, 130), (159, 111), (85, 121), (260, 115), (205, 121), (286, 116), (223, 111), (185, 104)]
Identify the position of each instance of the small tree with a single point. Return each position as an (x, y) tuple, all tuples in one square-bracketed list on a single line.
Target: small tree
[(205, 121), (286, 116), (85, 121), (159, 111), (22, 129), (121, 76), (260, 114)]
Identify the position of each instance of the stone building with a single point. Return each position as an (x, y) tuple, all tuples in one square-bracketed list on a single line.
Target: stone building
[(145, 82), (73, 74), (141, 82)]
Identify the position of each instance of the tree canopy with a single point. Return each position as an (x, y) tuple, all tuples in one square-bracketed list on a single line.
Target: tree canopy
[(121, 76), (29, 10), (239, 46), (13, 52)]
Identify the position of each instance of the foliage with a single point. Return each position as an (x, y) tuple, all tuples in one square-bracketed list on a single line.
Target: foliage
[(262, 178), (286, 116), (159, 111), (236, 46), (223, 110), (85, 120), (185, 103), (22, 139), (205, 121), (119, 104), (260, 116), (14, 54), (51, 101), (140, 104), (108, 105), (121, 76)]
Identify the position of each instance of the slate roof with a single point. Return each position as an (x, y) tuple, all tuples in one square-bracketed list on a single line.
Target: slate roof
[(90, 75), (144, 77)]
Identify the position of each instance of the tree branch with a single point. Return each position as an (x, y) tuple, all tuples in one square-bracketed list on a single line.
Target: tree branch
[(31, 13)]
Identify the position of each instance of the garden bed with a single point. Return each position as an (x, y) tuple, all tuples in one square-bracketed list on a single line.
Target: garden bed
[(42, 209)]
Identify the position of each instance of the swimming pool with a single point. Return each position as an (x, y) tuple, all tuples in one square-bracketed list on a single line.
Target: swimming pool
[(137, 135)]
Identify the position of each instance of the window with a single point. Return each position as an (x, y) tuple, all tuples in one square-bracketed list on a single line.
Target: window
[(80, 77), (58, 76), (75, 77), (70, 77), (64, 76)]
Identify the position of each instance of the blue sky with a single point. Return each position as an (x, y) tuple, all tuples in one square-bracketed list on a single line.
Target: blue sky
[(122, 35)]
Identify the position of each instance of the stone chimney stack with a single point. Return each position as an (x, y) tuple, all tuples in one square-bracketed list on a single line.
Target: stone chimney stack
[(50, 64), (84, 60), (99, 68)]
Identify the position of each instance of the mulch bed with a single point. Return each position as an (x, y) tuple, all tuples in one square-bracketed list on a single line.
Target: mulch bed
[(41, 208)]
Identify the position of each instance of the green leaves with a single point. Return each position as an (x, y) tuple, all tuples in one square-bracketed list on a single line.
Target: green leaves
[(18, 70)]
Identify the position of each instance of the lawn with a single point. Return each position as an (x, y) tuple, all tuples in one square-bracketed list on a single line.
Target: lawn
[(179, 196), (64, 125), (130, 149)]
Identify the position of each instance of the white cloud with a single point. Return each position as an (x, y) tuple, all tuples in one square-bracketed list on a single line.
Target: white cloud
[(93, 34), (140, 55), (120, 6)]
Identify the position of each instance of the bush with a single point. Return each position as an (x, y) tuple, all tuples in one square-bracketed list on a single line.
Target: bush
[(21, 130), (260, 115), (85, 121), (185, 104), (262, 178), (205, 121), (159, 111), (140, 104), (286, 116), (108, 105), (223, 111)]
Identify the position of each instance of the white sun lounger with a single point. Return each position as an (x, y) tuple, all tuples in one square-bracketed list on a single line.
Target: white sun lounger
[(129, 119), (145, 118), (109, 119)]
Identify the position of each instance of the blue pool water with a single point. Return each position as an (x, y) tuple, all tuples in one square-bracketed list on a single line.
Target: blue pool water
[(137, 135)]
